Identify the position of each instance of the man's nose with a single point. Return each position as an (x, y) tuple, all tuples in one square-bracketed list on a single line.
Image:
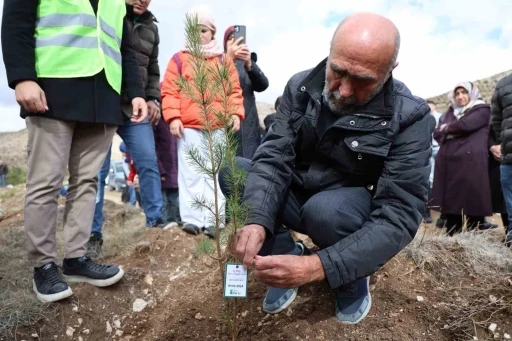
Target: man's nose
[(346, 88)]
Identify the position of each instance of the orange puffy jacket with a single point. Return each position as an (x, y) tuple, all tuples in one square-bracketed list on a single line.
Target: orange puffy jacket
[(176, 104)]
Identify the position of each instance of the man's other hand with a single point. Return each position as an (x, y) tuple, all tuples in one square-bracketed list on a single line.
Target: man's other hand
[(249, 241), (140, 109), (153, 112), (288, 271), (31, 97)]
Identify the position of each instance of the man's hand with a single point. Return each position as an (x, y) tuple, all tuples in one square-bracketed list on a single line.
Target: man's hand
[(496, 152), (176, 127), (443, 127), (249, 241), (129, 183), (140, 109), (153, 112), (288, 271), (31, 97), (235, 122)]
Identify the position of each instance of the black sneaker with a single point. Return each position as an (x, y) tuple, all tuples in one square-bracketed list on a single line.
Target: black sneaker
[(159, 224), (94, 246), (210, 232), (49, 285), (191, 228), (85, 270)]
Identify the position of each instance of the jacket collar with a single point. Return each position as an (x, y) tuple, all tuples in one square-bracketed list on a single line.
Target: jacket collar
[(381, 105)]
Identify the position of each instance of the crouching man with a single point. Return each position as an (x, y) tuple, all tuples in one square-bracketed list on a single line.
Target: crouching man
[(346, 163)]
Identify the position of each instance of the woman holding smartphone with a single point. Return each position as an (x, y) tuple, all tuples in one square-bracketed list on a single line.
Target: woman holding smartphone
[(251, 79)]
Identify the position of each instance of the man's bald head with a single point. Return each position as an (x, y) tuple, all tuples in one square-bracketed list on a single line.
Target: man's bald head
[(368, 32), (364, 50)]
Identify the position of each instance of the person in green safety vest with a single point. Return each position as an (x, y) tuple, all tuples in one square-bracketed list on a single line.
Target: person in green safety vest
[(69, 63)]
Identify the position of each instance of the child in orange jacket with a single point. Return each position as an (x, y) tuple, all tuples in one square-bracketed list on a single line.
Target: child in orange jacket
[(186, 121)]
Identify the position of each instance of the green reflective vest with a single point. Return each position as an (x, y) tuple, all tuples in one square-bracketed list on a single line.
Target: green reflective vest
[(72, 41)]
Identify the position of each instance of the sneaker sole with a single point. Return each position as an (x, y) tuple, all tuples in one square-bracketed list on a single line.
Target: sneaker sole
[(51, 297), (285, 305), (96, 282)]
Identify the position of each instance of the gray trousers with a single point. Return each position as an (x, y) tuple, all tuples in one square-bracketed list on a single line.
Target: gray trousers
[(326, 217), (54, 145)]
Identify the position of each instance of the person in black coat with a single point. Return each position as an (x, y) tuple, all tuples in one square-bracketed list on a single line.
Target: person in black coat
[(252, 79), (71, 122)]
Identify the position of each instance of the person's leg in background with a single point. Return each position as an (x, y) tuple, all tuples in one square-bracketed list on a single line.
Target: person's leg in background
[(89, 149), (2, 181), (506, 186), (454, 223), (191, 183), (170, 205), (49, 144), (141, 145), (96, 238), (133, 197)]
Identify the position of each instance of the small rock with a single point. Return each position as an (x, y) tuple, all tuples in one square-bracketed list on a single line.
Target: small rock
[(289, 312), (506, 336), (80, 321), (148, 279), (109, 328), (260, 324), (80, 338), (244, 314), (198, 316), (139, 305), (117, 324), (86, 331), (420, 298), (493, 298), (492, 327), (70, 331), (75, 308), (119, 333), (35, 336), (145, 291)]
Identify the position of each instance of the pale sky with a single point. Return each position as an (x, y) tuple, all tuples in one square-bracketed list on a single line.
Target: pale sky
[(443, 41)]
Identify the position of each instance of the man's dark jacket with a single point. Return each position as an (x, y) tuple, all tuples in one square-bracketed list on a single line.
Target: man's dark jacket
[(501, 117), (146, 40), (384, 147), (86, 99)]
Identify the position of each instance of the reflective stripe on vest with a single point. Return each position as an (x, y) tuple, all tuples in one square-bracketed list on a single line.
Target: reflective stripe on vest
[(60, 38)]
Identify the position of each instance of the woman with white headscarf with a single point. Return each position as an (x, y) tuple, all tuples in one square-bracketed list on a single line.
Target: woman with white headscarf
[(461, 182)]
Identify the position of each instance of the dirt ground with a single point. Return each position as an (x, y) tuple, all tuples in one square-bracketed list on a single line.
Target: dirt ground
[(180, 293)]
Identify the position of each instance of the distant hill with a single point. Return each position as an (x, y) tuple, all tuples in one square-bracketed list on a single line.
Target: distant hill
[(486, 87)]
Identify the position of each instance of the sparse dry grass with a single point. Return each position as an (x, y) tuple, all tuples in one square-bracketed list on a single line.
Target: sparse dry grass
[(19, 306), (474, 271)]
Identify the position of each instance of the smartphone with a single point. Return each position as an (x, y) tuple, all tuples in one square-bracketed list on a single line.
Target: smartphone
[(240, 31)]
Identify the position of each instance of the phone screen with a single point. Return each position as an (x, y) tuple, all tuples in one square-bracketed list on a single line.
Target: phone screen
[(240, 31)]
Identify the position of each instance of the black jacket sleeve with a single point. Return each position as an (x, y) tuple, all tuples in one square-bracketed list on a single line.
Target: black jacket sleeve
[(258, 79), (132, 79), (18, 43), (496, 113), (398, 205), (153, 86), (272, 168)]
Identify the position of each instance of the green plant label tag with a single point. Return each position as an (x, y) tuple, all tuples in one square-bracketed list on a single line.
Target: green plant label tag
[(235, 281)]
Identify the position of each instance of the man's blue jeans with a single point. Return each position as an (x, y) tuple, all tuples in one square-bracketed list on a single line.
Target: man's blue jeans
[(506, 187), (2, 181), (140, 142)]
